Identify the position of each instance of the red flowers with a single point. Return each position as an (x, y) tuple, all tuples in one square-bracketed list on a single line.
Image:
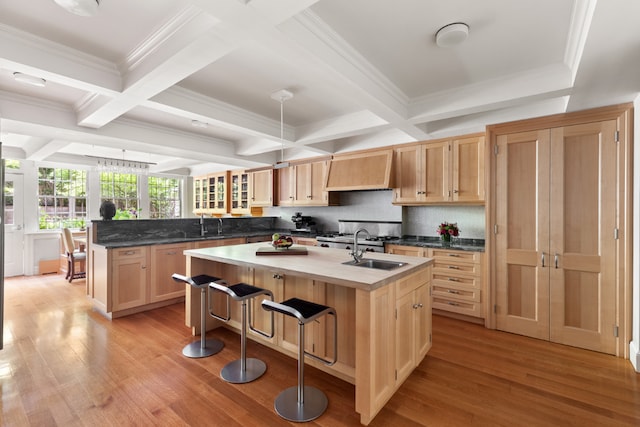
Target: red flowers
[(448, 228)]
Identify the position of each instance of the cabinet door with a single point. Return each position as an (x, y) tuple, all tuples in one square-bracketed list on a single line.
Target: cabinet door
[(409, 179), (200, 194), (405, 337), (261, 188), (435, 166), (467, 170), (239, 192), (165, 261), (522, 219), (583, 205), (285, 186), (423, 321), (129, 287), (404, 250)]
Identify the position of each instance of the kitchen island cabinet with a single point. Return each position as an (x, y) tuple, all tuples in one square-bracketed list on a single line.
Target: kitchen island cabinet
[(371, 341)]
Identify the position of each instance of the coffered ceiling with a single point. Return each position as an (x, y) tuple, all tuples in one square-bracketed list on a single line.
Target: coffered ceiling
[(363, 73)]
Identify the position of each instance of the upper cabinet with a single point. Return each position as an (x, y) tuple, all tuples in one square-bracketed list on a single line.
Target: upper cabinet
[(239, 193), (210, 194), (443, 171), (261, 188), (200, 194), (302, 184)]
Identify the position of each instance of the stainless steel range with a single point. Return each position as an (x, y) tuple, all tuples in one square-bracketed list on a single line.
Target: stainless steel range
[(379, 231)]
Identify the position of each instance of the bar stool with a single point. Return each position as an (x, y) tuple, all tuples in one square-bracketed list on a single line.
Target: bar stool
[(205, 347), (303, 403), (242, 370)]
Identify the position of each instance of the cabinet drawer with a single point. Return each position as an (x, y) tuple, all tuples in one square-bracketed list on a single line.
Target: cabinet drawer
[(456, 293), (458, 256), (412, 282), (457, 281), (129, 252), (462, 307), (456, 269)]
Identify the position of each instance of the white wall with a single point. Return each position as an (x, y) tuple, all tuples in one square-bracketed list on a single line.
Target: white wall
[(634, 347)]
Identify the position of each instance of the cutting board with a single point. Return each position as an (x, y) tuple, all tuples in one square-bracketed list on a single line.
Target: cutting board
[(270, 250)]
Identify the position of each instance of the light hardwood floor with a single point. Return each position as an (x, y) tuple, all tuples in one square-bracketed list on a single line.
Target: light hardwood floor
[(65, 365)]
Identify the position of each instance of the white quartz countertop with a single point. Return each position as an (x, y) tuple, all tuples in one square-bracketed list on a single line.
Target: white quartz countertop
[(324, 264)]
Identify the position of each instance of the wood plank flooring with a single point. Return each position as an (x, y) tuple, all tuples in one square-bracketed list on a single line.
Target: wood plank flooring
[(65, 365)]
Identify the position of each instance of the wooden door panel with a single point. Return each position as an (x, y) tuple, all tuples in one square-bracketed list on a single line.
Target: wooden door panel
[(436, 169), (522, 182), (584, 206), (468, 169), (408, 174)]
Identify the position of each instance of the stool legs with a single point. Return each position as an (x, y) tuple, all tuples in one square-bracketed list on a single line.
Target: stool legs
[(205, 347), (301, 403), (243, 370)]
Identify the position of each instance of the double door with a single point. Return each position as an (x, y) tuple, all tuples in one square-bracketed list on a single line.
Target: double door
[(556, 210)]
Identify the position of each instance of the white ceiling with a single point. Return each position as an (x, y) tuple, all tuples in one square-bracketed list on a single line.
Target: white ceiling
[(364, 73)]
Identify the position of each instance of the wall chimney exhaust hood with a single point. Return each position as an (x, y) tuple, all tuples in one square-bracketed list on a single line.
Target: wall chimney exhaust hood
[(362, 170)]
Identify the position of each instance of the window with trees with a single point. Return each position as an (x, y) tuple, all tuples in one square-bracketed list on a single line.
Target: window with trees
[(122, 190), (164, 197), (62, 198)]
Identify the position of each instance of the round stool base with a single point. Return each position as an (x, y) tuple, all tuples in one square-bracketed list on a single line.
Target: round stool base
[(287, 406), (195, 350), (233, 373)]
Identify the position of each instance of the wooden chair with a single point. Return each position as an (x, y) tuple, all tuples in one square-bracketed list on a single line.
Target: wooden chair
[(73, 256)]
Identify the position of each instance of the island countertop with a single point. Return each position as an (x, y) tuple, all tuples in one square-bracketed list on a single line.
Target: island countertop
[(320, 263)]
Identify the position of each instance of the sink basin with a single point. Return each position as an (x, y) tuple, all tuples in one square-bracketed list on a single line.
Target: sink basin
[(376, 263)]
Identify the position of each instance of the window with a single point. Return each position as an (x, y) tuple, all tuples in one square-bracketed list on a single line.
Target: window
[(164, 197), (122, 190), (62, 198)]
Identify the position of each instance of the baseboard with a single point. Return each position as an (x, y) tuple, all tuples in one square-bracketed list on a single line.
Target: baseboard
[(634, 355)]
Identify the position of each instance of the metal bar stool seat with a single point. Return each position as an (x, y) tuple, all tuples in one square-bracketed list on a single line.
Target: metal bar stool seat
[(303, 403), (242, 370), (205, 347)]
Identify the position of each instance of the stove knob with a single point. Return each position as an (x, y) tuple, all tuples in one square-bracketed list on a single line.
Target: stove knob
[(324, 245)]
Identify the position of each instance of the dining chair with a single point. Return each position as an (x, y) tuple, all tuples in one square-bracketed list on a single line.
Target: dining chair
[(73, 256)]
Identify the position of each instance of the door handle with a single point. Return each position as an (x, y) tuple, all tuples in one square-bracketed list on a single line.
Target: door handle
[(542, 259), (555, 260)]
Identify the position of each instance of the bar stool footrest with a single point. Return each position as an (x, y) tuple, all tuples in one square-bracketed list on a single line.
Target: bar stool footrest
[(287, 406)]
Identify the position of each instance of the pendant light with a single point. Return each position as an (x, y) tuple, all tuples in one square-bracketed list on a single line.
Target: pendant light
[(281, 96), (80, 7)]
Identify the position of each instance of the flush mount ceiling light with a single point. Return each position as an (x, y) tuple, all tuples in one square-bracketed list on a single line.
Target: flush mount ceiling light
[(452, 34), (80, 7), (29, 80), (281, 96)]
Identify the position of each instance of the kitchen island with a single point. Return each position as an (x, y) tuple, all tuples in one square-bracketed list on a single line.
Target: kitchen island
[(384, 316)]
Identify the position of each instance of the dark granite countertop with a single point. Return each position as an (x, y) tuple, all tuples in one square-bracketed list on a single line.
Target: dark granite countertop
[(474, 245), (186, 239)]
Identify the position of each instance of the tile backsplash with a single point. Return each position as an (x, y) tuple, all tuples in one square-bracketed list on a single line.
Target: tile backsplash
[(376, 206)]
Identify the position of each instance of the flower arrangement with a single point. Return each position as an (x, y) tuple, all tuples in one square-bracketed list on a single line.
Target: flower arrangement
[(448, 229)]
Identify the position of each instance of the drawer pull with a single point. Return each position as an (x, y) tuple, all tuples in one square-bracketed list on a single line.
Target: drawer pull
[(453, 303), (451, 291), (453, 279), (172, 253), (453, 267), (277, 276), (130, 252), (454, 255)]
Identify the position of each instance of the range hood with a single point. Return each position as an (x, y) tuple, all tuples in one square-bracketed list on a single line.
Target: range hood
[(363, 170)]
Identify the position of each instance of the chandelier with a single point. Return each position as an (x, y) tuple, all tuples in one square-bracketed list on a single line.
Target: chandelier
[(111, 164)]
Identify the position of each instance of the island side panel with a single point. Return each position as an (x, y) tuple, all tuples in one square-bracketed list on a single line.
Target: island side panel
[(375, 350)]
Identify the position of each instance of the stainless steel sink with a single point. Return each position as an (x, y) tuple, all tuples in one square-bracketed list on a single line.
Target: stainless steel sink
[(376, 263)]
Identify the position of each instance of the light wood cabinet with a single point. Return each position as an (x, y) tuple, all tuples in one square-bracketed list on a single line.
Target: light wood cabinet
[(457, 285), (558, 203), (302, 184), (305, 241), (413, 323), (165, 261), (405, 250), (239, 192), (363, 170), (129, 278), (261, 188), (443, 171), (218, 197), (200, 194)]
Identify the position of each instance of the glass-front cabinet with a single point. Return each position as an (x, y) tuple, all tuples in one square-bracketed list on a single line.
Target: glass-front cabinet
[(218, 193), (239, 192), (200, 194)]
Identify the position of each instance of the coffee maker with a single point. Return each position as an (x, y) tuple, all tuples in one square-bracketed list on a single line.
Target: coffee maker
[(304, 224)]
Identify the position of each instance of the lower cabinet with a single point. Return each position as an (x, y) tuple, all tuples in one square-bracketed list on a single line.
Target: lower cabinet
[(457, 286), (413, 323), (167, 260), (129, 278)]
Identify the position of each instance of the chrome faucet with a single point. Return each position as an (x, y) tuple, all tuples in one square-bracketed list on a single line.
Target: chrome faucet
[(203, 229), (219, 225), (357, 253)]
